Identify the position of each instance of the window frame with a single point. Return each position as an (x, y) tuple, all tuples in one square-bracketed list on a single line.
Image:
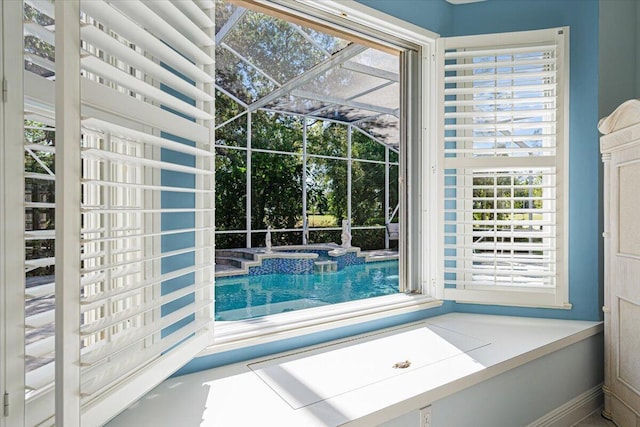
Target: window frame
[(352, 16), (12, 366)]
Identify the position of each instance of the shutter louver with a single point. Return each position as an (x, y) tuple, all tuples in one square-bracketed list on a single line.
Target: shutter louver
[(502, 144)]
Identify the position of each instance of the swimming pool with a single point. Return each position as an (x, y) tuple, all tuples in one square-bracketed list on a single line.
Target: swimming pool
[(246, 297)]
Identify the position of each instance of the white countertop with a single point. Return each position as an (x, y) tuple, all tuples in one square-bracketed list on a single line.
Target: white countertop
[(353, 381)]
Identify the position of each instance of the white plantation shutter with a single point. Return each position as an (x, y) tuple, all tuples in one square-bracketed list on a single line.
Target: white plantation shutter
[(503, 149), (146, 205), (147, 211)]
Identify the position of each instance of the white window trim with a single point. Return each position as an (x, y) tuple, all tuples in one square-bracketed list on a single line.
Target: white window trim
[(11, 215), (277, 327), (230, 335)]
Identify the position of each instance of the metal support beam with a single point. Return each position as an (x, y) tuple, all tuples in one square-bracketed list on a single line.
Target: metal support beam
[(228, 26), (248, 181), (232, 96), (386, 194), (345, 102), (250, 64), (308, 38), (305, 223), (372, 71), (393, 147), (349, 168), (337, 59), (218, 126), (370, 90)]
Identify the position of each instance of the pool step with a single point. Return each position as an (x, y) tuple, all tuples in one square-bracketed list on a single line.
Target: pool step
[(325, 266), (233, 261), (235, 253)]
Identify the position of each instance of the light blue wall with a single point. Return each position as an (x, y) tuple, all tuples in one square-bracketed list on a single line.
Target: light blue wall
[(177, 220), (434, 15), (618, 53)]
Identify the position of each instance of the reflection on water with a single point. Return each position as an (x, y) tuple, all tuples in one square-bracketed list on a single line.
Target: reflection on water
[(245, 297)]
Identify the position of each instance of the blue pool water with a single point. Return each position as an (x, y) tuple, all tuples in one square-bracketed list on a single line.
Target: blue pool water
[(245, 297)]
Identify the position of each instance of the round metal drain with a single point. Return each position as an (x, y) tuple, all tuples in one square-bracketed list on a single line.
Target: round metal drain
[(402, 365)]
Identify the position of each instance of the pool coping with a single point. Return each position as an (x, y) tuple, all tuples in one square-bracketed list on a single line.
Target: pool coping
[(284, 252)]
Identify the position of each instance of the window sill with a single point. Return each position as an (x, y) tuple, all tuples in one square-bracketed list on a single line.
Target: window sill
[(542, 298), (230, 335)]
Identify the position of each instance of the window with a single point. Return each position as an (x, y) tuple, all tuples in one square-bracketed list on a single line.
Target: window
[(504, 160), (304, 144)]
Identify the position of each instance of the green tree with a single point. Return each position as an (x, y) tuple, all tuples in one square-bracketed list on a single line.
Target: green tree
[(284, 52), (231, 169), (276, 179), (276, 190)]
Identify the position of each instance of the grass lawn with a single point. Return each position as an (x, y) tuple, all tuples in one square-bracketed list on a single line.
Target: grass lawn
[(323, 221)]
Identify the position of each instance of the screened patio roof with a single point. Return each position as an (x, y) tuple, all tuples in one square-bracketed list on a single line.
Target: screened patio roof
[(263, 62)]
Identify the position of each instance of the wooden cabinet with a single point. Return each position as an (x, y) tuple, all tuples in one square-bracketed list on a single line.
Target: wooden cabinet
[(620, 147)]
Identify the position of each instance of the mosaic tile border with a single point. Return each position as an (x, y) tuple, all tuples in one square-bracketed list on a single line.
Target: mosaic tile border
[(283, 266)]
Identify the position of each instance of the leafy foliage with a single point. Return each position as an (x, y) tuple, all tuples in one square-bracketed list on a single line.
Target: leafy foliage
[(276, 179), (271, 174)]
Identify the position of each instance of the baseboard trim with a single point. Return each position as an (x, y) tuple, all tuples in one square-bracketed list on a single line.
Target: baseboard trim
[(572, 411)]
